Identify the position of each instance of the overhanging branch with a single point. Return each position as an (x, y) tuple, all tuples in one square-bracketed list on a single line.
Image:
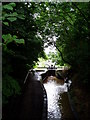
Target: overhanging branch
[(80, 11), (62, 55)]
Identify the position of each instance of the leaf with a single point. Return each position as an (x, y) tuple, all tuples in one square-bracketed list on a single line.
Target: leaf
[(21, 17), (9, 7), (14, 36), (13, 4), (4, 47), (12, 19), (20, 41), (6, 23), (13, 14), (7, 38)]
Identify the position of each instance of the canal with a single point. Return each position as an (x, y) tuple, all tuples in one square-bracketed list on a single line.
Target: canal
[(42, 100), (58, 103)]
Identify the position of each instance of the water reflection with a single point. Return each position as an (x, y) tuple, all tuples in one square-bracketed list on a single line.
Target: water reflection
[(54, 90)]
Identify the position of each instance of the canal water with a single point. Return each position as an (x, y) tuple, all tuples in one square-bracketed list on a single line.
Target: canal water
[(57, 98), (54, 88)]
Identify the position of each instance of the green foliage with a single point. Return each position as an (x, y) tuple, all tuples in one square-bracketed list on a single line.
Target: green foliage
[(69, 24), (10, 15), (10, 87), (26, 29), (9, 38), (11, 19), (19, 41), (56, 58), (6, 23), (41, 62), (21, 46), (9, 6)]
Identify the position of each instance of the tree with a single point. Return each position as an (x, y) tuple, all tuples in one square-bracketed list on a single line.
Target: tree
[(69, 23), (21, 45)]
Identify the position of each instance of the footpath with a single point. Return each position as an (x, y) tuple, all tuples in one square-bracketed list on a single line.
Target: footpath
[(32, 104)]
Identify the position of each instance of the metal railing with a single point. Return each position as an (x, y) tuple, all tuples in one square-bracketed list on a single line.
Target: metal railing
[(51, 68)]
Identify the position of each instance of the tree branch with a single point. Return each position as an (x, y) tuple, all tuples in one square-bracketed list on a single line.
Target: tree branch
[(80, 11), (62, 55)]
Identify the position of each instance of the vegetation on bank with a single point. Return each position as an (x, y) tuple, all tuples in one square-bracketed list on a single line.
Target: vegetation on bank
[(21, 46)]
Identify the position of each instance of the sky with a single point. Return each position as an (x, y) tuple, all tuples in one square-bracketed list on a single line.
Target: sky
[(50, 48)]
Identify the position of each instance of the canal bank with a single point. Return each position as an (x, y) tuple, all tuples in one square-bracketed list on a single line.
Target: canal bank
[(81, 98), (67, 113), (79, 94)]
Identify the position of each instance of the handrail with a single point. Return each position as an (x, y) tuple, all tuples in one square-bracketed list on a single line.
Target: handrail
[(52, 68)]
